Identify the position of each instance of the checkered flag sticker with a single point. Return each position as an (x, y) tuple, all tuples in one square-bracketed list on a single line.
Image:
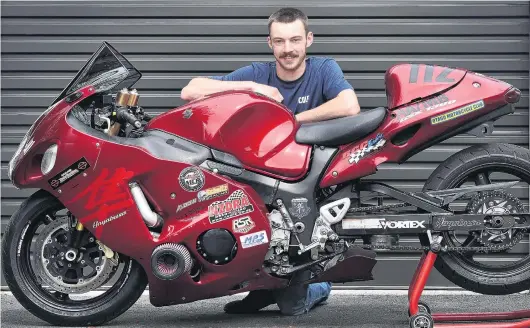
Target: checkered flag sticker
[(356, 156), (238, 194)]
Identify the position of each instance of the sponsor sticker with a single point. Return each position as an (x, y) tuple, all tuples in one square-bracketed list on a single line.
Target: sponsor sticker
[(109, 219), (254, 239), (368, 147), (191, 179), (380, 223), (69, 173), (299, 207), (412, 110), (213, 192), (361, 224), (457, 112), (444, 222), (236, 204), (243, 225), (402, 224), (186, 204)]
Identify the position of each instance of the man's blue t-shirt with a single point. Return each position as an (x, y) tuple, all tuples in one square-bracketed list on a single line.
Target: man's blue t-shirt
[(322, 80)]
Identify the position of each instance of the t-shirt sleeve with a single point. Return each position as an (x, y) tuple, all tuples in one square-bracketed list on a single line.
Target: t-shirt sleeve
[(245, 73), (334, 81)]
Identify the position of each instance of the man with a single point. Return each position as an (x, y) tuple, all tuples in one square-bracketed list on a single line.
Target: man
[(314, 89)]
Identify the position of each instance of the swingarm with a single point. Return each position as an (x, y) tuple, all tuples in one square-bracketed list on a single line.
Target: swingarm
[(430, 201), (422, 223)]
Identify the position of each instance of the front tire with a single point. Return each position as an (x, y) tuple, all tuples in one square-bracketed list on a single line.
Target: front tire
[(57, 308), (476, 162)]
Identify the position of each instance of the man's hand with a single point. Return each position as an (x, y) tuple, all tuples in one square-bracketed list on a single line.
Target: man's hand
[(268, 91)]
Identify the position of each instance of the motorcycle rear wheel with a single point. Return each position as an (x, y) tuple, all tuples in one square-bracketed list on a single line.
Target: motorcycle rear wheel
[(476, 164), (20, 259)]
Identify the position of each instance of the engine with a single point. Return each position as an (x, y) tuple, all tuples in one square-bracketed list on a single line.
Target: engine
[(325, 242)]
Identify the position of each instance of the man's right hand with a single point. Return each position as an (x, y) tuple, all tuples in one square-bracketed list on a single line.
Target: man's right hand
[(268, 91)]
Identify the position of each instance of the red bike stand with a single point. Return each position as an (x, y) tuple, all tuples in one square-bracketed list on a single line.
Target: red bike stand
[(421, 316)]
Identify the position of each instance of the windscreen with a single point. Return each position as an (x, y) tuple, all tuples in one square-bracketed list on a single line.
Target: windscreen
[(106, 70)]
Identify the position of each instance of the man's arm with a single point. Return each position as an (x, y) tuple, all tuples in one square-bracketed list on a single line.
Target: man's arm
[(240, 79), (202, 86), (342, 99), (344, 104)]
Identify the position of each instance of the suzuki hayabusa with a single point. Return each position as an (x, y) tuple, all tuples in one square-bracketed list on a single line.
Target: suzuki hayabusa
[(228, 193)]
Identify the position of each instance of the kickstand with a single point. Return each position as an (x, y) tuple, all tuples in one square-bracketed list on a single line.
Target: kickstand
[(421, 316)]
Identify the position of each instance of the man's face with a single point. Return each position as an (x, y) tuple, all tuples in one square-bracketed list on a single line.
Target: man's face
[(288, 42)]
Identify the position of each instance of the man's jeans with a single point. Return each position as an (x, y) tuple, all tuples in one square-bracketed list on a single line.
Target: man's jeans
[(299, 299)]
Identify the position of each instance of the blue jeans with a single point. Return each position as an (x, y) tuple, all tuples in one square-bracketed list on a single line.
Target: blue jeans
[(300, 299)]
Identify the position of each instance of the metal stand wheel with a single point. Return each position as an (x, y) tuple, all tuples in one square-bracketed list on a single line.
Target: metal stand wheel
[(421, 316), (422, 308), (421, 320)]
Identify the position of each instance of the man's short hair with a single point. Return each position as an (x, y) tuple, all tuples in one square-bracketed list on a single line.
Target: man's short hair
[(288, 15)]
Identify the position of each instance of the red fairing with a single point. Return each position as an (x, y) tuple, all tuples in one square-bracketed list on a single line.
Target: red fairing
[(256, 130), (408, 82), (475, 95), (102, 192)]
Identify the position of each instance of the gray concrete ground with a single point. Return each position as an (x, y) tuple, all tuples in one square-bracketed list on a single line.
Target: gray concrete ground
[(344, 309)]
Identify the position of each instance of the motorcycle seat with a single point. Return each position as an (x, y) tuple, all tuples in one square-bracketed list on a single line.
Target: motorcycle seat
[(341, 131)]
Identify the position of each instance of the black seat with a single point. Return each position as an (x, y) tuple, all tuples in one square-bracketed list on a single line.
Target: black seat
[(341, 131)]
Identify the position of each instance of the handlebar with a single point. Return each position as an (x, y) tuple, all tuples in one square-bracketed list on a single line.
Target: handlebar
[(124, 116)]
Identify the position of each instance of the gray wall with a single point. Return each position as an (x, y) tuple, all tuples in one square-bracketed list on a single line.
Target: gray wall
[(44, 44)]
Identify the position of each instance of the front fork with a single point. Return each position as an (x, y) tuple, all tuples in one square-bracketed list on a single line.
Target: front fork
[(77, 234)]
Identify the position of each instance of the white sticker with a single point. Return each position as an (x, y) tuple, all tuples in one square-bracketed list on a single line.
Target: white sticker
[(361, 224), (254, 239)]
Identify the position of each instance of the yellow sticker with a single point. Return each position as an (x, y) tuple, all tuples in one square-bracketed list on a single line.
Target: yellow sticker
[(212, 192), (457, 112)]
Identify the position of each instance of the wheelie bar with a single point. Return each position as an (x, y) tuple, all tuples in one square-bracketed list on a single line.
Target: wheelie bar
[(428, 319)]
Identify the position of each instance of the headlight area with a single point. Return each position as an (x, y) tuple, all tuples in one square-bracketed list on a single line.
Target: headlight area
[(35, 164), (16, 156), (48, 159)]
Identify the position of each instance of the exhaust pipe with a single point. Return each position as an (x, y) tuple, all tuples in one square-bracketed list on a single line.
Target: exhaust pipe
[(151, 219)]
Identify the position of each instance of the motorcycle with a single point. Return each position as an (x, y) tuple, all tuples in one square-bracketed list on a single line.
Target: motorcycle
[(229, 194)]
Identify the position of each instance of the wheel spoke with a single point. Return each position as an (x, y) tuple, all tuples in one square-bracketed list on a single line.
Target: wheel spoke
[(471, 241), (482, 179)]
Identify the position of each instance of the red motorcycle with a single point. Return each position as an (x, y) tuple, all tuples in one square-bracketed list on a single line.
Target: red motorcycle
[(229, 194)]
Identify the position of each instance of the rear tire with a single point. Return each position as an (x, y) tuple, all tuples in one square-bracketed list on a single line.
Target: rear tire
[(26, 288), (447, 175)]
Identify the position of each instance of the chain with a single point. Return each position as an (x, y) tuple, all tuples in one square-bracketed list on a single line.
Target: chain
[(444, 249), (376, 208)]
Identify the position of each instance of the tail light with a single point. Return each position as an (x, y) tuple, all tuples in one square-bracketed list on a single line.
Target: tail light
[(512, 96)]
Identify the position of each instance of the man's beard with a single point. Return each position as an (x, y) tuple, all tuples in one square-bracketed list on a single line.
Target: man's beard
[(296, 63)]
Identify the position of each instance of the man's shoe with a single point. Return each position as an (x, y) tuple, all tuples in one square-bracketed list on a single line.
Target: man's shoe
[(252, 303)]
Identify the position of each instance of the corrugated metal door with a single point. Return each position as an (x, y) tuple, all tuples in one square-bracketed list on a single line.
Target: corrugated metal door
[(44, 44)]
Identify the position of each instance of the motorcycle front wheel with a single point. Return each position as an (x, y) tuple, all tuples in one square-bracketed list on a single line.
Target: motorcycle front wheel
[(497, 272), (61, 285)]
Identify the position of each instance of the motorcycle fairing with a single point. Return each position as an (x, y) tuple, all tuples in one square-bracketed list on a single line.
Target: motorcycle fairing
[(406, 83), (101, 200), (408, 130)]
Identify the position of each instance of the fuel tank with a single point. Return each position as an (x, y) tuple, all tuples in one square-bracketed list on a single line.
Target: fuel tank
[(255, 129)]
